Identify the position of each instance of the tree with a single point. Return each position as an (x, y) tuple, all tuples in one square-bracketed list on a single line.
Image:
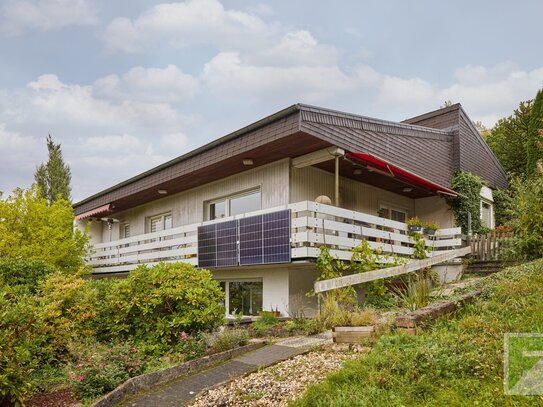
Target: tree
[(534, 144), (446, 103), (53, 177), (32, 229), (482, 129), (508, 139)]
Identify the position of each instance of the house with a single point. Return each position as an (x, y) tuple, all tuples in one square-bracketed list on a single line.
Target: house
[(255, 205)]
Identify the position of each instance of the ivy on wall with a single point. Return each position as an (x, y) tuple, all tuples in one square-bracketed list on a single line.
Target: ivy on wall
[(468, 186)]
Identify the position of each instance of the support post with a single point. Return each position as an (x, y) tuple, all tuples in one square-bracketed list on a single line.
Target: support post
[(336, 190)]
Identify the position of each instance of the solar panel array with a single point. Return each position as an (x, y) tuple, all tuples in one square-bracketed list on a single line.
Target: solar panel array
[(261, 239)]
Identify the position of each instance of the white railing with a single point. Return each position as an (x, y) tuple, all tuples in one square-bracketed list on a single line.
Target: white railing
[(313, 225)]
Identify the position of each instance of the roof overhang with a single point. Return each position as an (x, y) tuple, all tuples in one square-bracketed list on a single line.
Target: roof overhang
[(386, 168)]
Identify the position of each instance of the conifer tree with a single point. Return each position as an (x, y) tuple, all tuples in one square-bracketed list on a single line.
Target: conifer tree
[(53, 177)]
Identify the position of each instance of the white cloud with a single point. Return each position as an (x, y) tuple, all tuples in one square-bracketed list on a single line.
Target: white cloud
[(395, 91), (297, 48), (51, 99), (148, 84), (194, 22), (226, 75), (20, 154), (44, 15)]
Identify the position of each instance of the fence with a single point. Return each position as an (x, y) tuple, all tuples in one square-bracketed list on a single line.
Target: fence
[(489, 246)]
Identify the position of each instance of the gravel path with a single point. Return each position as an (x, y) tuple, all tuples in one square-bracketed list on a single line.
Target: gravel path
[(280, 383)]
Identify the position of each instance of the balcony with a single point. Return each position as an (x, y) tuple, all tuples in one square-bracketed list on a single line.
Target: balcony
[(312, 225)]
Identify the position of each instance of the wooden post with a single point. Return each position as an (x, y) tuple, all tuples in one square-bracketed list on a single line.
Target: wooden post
[(336, 189)]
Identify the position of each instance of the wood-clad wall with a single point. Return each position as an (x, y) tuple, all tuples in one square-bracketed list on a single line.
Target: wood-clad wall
[(309, 182), (188, 207)]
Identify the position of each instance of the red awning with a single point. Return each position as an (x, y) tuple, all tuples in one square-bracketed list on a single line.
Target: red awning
[(394, 171), (100, 210)]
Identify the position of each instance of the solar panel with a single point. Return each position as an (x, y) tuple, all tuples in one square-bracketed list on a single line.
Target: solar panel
[(226, 243), (276, 237), (207, 241), (265, 239), (250, 240)]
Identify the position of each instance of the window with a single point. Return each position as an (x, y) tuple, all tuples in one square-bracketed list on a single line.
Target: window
[(393, 213), (234, 205), (125, 230), (242, 296), (160, 222), (486, 214)]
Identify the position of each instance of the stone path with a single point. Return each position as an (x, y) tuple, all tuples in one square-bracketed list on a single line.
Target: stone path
[(177, 392)]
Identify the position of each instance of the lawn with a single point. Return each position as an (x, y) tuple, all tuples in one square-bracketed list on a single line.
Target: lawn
[(458, 362)]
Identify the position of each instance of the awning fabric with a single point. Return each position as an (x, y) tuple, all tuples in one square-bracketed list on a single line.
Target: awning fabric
[(97, 211), (397, 172)]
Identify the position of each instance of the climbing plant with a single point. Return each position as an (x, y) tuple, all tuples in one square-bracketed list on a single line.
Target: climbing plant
[(468, 200)]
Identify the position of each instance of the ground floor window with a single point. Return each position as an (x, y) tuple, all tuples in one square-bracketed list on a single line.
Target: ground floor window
[(393, 213), (242, 296)]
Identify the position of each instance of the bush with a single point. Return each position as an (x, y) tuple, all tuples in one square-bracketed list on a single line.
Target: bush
[(468, 186), (20, 343), (23, 272), (227, 339), (67, 308), (266, 322), (527, 219), (95, 372), (157, 304)]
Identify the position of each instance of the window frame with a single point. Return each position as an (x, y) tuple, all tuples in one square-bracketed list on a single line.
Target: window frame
[(227, 199), (123, 228), (390, 207), (162, 218), (227, 282)]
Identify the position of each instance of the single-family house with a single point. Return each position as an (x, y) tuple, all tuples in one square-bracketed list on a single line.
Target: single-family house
[(255, 205)]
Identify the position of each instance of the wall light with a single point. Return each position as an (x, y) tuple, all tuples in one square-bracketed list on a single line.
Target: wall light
[(162, 191), (407, 189), (248, 161)]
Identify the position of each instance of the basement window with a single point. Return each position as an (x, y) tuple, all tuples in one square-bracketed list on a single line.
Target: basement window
[(242, 296)]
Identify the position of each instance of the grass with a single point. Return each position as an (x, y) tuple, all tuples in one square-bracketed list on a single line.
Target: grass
[(458, 362)]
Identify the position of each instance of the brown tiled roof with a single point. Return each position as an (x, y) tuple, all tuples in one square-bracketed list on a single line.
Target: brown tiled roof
[(433, 153)]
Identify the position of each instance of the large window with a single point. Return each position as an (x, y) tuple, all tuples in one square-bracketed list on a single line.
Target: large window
[(242, 296), (234, 205)]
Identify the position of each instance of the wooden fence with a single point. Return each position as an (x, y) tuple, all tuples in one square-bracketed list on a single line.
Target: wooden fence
[(489, 246)]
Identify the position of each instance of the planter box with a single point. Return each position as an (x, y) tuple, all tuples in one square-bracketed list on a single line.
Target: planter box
[(429, 232), (272, 313), (351, 334), (414, 228)]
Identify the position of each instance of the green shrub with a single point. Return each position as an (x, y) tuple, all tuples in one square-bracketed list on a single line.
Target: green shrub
[(100, 368), (67, 309), (265, 323), (20, 343), (468, 186), (157, 304), (23, 272), (227, 339), (527, 219)]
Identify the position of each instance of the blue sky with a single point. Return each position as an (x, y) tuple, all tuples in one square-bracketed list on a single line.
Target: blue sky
[(126, 85)]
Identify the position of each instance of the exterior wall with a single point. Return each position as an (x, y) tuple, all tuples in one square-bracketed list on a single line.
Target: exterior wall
[(188, 207), (301, 281), (435, 209), (309, 182), (275, 284)]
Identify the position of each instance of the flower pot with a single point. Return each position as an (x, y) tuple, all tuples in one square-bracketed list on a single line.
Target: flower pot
[(429, 231)]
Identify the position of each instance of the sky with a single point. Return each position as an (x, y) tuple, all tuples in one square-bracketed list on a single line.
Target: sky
[(127, 85)]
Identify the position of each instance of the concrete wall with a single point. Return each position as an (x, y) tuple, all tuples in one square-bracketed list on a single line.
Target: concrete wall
[(301, 280), (309, 182)]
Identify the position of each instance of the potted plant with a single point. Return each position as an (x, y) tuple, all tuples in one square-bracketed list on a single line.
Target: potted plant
[(430, 228), (414, 225)]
